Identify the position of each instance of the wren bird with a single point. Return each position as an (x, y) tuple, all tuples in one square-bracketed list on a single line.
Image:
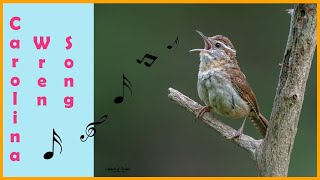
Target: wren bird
[(223, 87)]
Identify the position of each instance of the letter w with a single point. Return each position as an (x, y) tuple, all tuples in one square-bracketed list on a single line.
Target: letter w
[(42, 44)]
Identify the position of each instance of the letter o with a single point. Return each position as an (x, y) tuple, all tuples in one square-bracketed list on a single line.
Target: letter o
[(15, 81), (68, 63)]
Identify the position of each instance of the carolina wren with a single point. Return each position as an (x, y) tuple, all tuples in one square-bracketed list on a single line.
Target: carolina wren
[(223, 87)]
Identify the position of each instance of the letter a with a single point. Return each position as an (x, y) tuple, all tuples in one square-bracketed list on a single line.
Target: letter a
[(42, 44), (15, 156), (15, 44)]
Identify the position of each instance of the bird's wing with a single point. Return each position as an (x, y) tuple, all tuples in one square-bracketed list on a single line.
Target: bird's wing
[(241, 85)]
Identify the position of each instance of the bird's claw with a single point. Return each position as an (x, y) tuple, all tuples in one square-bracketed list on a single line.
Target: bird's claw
[(239, 132), (203, 110), (237, 135)]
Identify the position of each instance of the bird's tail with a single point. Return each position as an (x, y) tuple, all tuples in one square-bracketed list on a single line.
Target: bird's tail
[(261, 123)]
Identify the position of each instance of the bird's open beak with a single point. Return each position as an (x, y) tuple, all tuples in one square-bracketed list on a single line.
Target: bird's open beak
[(207, 45), (201, 34)]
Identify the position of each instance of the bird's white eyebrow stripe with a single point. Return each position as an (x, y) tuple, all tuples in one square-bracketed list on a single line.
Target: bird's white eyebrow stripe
[(225, 46)]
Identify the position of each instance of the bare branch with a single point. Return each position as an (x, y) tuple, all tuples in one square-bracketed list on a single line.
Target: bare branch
[(245, 141)]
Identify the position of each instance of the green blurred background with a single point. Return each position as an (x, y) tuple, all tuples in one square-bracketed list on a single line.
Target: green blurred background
[(152, 136)]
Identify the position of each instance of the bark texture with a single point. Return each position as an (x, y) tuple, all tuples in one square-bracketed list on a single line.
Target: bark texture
[(272, 154)]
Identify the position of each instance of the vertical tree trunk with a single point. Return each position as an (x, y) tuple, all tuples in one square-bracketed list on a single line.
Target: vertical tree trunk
[(273, 155)]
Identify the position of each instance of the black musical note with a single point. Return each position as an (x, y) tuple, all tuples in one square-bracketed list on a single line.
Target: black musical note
[(119, 99), (91, 130), (49, 154), (153, 58), (175, 42)]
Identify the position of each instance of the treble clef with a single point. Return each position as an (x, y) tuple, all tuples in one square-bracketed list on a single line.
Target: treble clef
[(91, 130)]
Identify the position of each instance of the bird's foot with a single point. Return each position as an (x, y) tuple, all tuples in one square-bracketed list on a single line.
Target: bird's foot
[(239, 132), (203, 110), (237, 135)]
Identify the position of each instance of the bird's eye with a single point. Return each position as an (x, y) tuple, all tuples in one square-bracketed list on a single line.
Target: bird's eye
[(218, 45)]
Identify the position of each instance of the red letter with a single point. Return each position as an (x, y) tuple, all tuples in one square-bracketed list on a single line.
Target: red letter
[(14, 62), (17, 135), (44, 100), (42, 82), (41, 61), (68, 40), (12, 23), (15, 94), (15, 81), (15, 117), (68, 63), (15, 44), (68, 101), (66, 80), (15, 156), (41, 44)]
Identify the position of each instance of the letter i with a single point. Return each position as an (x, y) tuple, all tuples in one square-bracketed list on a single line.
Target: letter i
[(15, 117)]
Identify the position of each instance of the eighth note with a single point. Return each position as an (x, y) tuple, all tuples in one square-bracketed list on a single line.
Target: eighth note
[(153, 58), (175, 42), (49, 154), (119, 99)]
